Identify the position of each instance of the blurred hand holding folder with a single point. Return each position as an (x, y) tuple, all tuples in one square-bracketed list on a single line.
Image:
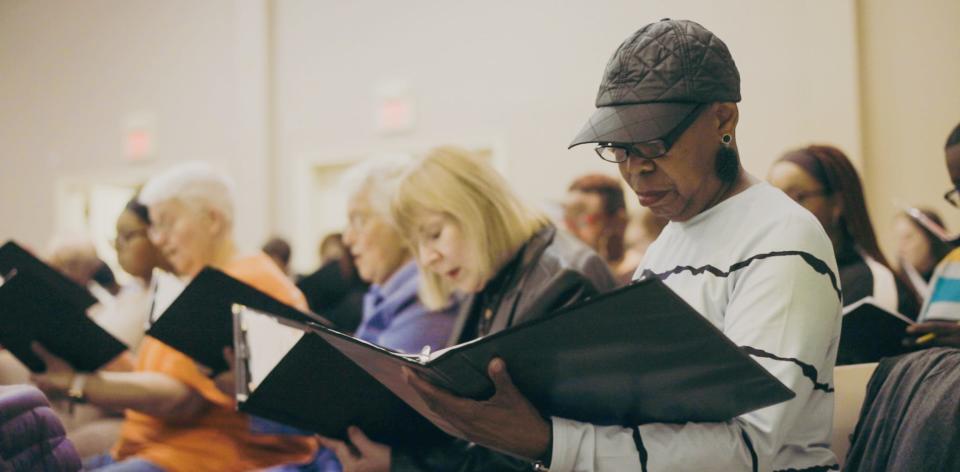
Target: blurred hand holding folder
[(38, 303), (923, 220), (636, 355)]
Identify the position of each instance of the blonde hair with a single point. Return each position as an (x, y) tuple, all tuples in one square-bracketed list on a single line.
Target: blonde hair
[(465, 189)]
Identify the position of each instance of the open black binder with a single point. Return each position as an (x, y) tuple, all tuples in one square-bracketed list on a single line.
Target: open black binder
[(316, 388), (199, 322), (38, 303), (870, 333), (636, 355)]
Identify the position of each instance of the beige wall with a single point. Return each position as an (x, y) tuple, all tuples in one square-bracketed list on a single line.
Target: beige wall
[(266, 89), (72, 72), (910, 62), (521, 77)]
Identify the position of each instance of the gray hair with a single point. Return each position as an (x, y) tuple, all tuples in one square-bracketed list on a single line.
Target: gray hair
[(196, 184), (375, 179)]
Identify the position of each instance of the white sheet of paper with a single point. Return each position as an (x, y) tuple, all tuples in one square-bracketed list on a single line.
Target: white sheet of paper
[(267, 342)]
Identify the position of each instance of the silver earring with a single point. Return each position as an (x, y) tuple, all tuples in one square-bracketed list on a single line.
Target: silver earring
[(726, 139)]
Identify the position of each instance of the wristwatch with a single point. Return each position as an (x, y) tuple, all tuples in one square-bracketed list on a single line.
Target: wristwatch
[(75, 392)]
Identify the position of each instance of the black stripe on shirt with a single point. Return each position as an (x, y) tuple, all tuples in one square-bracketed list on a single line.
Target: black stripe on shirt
[(816, 468), (753, 453), (808, 370), (641, 450), (815, 263)]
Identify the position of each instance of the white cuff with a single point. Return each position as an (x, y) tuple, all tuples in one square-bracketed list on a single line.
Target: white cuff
[(566, 444)]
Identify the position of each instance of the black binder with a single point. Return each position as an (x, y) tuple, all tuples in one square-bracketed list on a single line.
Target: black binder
[(38, 303), (870, 333), (199, 322), (316, 388), (639, 354)]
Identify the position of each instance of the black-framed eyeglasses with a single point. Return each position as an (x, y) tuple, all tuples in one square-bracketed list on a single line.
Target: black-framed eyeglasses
[(952, 197), (618, 152)]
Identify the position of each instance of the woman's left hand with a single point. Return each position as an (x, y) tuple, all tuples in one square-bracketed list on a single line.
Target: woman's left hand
[(506, 422), (361, 455)]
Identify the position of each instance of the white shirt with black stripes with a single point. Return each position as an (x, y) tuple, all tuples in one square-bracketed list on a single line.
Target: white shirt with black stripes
[(761, 269)]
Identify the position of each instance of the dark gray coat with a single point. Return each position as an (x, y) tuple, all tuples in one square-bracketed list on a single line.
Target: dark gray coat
[(555, 270)]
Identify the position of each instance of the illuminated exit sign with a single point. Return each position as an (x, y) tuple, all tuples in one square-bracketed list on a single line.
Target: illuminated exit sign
[(139, 137)]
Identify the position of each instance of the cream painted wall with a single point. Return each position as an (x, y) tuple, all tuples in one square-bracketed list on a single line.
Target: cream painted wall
[(516, 77), (910, 59), (522, 77), (72, 72)]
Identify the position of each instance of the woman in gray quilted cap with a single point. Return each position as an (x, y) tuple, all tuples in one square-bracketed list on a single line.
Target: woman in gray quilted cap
[(743, 254)]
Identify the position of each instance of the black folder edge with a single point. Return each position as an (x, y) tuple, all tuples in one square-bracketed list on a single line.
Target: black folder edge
[(14, 257), (416, 362), (236, 289), (240, 357), (243, 394), (845, 348), (15, 261)]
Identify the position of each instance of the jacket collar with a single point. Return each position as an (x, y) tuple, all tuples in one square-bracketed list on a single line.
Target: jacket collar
[(530, 254)]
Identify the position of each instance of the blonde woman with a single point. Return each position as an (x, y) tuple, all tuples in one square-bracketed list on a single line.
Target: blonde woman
[(470, 234)]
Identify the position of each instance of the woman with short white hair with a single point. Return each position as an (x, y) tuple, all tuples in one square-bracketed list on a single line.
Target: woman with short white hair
[(393, 315), (176, 418)]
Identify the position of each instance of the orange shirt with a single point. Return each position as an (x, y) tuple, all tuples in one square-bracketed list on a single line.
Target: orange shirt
[(219, 439)]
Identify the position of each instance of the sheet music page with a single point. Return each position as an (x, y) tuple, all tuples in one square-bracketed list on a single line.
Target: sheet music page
[(267, 342), (166, 287)]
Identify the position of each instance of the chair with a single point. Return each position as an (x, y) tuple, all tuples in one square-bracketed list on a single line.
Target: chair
[(850, 387), (31, 435)]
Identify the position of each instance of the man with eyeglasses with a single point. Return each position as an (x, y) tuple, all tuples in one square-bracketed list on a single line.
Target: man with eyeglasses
[(940, 316), (742, 253)]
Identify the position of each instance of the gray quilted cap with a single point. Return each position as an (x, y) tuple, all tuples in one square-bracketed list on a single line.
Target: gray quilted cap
[(655, 78)]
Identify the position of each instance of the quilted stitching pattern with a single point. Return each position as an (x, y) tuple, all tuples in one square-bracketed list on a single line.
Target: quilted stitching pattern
[(31, 435), (670, 61)]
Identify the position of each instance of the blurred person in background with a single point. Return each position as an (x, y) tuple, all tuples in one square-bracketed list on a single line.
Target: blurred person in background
[(939, 320), (92, 429), (393, 315), (595, 212), (176, 418), (126, 318), (76, 257), (823, 180), (909, 418), (279, 250), (336, 289), (642, 230), (332, 248), (918, 249)]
